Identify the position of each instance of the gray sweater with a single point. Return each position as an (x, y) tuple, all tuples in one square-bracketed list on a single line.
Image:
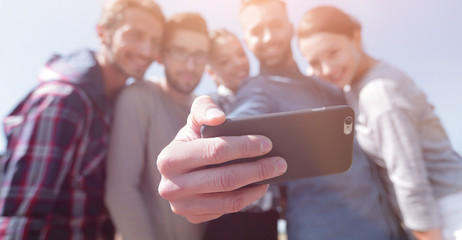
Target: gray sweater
[(146, 120), (399, 129)]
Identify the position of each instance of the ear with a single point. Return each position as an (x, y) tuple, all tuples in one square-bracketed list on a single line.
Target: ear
[(211, 73), (103, 35), (99, 33)]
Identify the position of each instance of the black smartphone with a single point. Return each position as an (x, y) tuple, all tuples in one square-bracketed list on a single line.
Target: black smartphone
[(314, 142)]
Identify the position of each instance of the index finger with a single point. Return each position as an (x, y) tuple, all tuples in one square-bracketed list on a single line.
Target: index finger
[(208, 151)]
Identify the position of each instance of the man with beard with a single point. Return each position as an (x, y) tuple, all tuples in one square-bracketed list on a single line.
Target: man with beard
[(350, 205), (54, 168), (347, 205), (148, 114)]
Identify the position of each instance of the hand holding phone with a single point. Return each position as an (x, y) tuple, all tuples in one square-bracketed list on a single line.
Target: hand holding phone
[(314, 142)]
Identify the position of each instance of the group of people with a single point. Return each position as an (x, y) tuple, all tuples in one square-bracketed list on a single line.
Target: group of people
[(89, 156)]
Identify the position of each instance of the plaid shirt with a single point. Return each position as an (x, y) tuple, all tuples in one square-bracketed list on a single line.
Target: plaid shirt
[(54, 167)]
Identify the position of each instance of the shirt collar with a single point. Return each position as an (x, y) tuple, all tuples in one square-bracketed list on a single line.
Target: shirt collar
[(292, 72)]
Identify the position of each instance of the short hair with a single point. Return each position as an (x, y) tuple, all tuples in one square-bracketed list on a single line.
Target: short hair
[(327, 19), (184, 21), (246, 3), (113, 11), (217, 34)]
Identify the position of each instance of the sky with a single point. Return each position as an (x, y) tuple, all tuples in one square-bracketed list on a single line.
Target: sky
[(421, 37)]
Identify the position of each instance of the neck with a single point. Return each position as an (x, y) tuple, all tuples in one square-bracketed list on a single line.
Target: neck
[(289, 62), (289, 68), (177, 96), (113, 78)]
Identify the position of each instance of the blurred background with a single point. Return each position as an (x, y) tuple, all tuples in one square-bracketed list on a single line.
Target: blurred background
[(423, 38)]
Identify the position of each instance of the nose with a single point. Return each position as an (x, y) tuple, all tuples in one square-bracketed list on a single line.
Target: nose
[(267, 34), (190, 63), (146, 49), (326, 69), (238, 61)]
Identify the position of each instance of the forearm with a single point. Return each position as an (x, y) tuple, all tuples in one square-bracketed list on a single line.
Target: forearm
[(419, 211)]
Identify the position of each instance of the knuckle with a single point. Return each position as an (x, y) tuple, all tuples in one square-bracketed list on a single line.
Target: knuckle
[(167, 190), (247, 147), (163, 191), (177, 210), (163, 161), (225, 181), (183, 208), (216, 151), (263, 172), (235, 204)]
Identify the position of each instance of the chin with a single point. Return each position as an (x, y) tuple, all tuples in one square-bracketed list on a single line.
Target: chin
[(273, 63)]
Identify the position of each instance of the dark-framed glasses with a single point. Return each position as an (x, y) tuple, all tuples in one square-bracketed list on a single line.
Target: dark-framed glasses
[(181, 54)]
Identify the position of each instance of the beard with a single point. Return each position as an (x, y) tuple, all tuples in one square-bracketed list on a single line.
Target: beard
[(112, 61), (175, 84), (274, 61)]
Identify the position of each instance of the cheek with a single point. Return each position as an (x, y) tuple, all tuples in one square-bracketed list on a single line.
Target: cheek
[(252, 43), (199, 69), (341, 62), (246, 64), (227, 70), (172, 68)]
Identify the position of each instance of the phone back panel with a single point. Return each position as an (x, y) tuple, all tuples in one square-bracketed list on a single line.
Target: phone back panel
[(314, 142)]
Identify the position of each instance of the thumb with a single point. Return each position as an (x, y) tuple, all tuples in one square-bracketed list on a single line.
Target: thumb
[(204, 112)]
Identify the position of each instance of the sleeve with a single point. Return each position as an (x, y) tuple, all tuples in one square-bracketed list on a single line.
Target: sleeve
[(395, 129), (43, 133), (126, 162), (251, 99)]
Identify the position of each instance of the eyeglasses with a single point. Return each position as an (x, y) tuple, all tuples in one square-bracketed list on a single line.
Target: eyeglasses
[(181, 54)]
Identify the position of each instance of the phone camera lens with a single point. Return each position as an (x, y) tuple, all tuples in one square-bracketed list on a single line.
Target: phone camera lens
[(348, 120)]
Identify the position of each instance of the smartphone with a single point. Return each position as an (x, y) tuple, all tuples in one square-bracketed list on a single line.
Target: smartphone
[(314, 142)]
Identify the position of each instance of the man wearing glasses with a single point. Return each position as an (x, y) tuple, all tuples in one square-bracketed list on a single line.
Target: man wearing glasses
[(148, 115)]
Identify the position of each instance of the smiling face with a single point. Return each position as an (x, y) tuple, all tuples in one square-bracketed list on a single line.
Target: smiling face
[(333, 57), (134, 43), (268, 32), (185, 57), (229, 61)]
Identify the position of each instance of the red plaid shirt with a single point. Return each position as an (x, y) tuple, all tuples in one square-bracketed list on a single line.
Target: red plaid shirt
[(54, 167)]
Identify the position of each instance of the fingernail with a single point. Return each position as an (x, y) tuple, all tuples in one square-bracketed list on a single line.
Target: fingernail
[(214, 113), (281, 166), (265, 145)]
